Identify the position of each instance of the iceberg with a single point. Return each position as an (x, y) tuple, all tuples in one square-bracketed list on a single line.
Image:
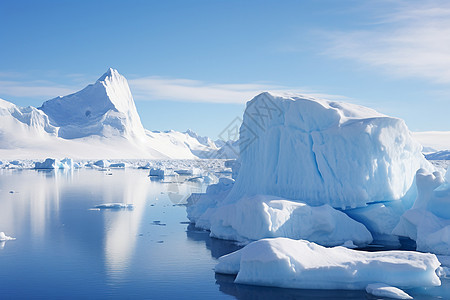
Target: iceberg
[(157, 172), (324, 152), (52, 163), (428, 221), (288, 263), (384, 290), (102, 163), (257, 217), (114, 206)]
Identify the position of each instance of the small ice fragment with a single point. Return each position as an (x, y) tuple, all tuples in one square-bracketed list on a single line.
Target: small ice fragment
[(114, 206), (384, 290), (4, 237), (443, 272)]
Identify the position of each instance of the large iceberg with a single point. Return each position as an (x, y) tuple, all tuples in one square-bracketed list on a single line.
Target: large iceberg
[(326, 166), (291, 263), (324, 152)]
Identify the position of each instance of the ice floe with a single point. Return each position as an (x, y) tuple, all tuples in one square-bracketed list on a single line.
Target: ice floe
[(288, 263)]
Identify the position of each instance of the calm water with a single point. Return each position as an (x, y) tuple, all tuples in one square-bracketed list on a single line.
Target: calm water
[(64, 249)]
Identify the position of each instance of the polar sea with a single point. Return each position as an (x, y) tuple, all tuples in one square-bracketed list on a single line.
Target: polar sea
[(67, 248)]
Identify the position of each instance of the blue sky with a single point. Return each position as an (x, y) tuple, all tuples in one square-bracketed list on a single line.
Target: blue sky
[(194, 64)]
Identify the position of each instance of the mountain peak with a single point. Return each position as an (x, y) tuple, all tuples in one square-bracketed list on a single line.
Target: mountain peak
[(111, 73), (104, 108)]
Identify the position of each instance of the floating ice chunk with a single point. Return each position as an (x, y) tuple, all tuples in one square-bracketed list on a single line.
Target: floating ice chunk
[(189, 172), (157, 172), (384, 290), (114, 206), (102, 163), (4, 237), (257, 217), (301, 264), (67, 163), (443, 272), (428, 221), (52, 163), (117, 165)]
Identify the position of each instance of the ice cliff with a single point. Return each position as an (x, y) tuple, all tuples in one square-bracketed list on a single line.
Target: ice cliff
[(324, 152)]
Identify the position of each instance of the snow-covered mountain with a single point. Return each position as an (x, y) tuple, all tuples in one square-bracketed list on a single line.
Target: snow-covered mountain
[(105, 108), (100, 121)]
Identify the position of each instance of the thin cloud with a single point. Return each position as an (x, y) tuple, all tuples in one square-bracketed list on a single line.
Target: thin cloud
[(159, 88), (33, 89), (413, 40)]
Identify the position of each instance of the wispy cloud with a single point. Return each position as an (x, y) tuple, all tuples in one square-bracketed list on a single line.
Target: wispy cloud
[(412, 39), (155, 88), (33, 89), (159, 88)]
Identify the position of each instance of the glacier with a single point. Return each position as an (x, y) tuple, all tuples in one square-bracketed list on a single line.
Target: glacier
[(289, 263)]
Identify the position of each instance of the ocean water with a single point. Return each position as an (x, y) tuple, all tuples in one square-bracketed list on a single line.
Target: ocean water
[(65, 248)]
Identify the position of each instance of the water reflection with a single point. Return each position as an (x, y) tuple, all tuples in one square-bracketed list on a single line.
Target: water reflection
[(217, 247), (122, 226), (31, 198), (247, 292)]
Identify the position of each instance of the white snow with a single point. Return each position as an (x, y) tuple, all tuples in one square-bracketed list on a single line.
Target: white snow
[(384, 290), (257, 217), (324, 152), (4, 237), (291, 263), (428, 221)]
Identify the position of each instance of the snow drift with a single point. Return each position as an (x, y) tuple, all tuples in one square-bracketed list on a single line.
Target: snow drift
[(324, 152), (290, 263)]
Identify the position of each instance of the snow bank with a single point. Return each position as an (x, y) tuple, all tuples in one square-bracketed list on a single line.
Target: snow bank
[(384, 290), (324, 152), (290, 263), (428, 221), (257, 217)]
